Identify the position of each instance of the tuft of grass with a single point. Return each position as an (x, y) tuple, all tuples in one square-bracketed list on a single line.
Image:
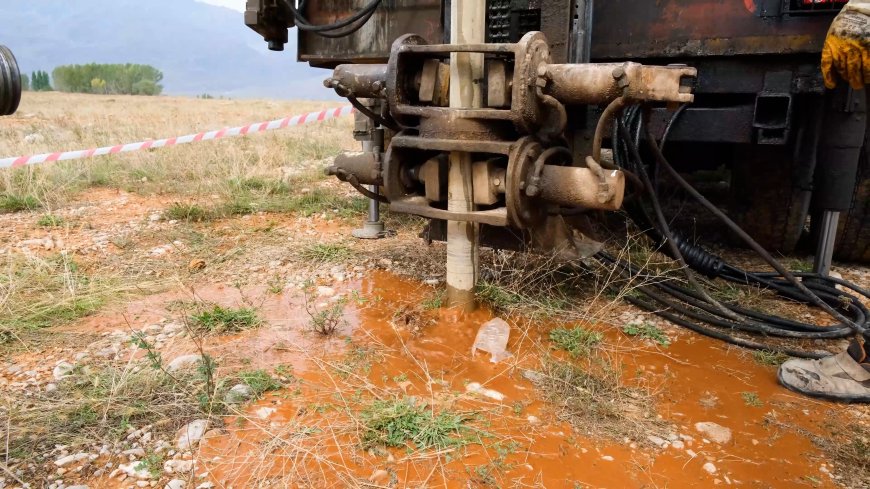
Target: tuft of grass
[(326, 252), (434, 301), (187, 212), (17, 203), (223, 320), (648, 331), (43, 292), (498, 297), (97, 404), (769, 358), (576, 341), (153, 463), (595, 400), (49, 221), (751, 399), (403, 421), (259, 381)]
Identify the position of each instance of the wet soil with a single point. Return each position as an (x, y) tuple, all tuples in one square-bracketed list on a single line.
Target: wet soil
[(390, 347)]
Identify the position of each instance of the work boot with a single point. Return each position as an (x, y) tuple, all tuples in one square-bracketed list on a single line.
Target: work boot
[(844, 377)]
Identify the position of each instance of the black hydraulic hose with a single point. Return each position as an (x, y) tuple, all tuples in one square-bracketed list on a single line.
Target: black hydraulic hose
[(362, 16), (693, 307), (813, 298)]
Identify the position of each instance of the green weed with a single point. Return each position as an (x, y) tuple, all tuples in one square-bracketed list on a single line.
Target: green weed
[(17, 203), (751, 399), (187, 213), (259, 381), (576, 341), (326, 253), (49, 221), (398, 422), (223, 320), (648, 331)]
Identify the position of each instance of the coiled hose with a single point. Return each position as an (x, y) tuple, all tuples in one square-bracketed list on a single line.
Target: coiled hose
[(693, 307)]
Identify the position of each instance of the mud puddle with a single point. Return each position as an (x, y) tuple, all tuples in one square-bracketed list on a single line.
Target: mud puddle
[(309, 434)]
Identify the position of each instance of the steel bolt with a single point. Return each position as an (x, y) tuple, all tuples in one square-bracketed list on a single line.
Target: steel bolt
[(618, 72), (377, 86), (542, 69)]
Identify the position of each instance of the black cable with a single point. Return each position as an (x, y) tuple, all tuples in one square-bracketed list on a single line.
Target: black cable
[(693, 307), (359, 19)]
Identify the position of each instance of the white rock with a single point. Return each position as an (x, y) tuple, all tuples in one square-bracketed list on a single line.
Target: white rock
[(175, 484), (182, 362), (79, 486), (533, 420), (239, 393), (607, 458), (710, 468), (138, 452), (678, 444), (189, 435), (142, 484), (657, 441), (205, 485), (714, 431), (34, 138), (62, 370), (135, 469), (265, 412), (325, 291), (50, 387), (78, 457), (476, 388), (179, 466)]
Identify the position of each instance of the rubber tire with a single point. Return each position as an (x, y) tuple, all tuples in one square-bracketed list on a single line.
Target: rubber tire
[(764, 201), (853, 235)]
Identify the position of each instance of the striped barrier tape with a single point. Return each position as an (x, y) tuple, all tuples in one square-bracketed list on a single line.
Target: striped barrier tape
[(297, 120)]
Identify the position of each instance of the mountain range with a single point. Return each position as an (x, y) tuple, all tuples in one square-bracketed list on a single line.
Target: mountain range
[(200, 48)]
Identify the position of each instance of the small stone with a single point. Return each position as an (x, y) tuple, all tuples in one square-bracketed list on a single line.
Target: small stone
[(134, 469), (50, 387), (380, 477), (78, 457), (533, 420), (196, 264), (657, 441), (183, 362), (325, 291), (607, 458), (679, 445), (715, 432), (175, 484), (265, 412), (476, 388), (62, 370), (710, 468), (142, 484), (205, 485), (189, 435), (79, 486), (136, 452), (239, 393)]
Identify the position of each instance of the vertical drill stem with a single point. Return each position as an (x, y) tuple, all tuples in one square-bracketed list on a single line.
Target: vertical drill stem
[(467, 19)]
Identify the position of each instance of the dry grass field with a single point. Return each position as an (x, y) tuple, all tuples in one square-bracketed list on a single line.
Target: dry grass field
[(199, 317)]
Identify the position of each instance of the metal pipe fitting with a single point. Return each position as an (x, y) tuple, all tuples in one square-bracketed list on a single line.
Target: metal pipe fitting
[(360, 81), (364, 165), (580, 187), (599, 83)]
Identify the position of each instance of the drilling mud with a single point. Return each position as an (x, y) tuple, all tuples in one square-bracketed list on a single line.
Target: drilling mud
[(721, 418)]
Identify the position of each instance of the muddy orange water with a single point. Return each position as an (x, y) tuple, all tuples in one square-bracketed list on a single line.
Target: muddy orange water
[(308, 434)]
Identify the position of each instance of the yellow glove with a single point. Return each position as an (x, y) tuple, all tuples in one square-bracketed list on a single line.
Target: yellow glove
[(847, 47)]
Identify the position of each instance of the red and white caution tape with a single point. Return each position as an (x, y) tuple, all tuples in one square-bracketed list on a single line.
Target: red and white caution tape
[(297, 120)]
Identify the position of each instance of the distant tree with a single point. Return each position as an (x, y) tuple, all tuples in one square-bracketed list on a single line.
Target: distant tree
[(39, 81), (98, 85), (126, 79), (25, 82)]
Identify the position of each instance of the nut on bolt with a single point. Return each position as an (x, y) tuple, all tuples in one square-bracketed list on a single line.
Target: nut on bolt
[(618, 72)]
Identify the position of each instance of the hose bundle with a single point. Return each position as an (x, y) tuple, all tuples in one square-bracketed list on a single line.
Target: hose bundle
[(692, 306)]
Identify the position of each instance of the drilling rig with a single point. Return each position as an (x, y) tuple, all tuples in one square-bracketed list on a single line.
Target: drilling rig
[(10, 82), (499, 120)]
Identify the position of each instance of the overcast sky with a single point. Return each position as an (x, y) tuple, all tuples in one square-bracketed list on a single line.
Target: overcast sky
[(233, 4)]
